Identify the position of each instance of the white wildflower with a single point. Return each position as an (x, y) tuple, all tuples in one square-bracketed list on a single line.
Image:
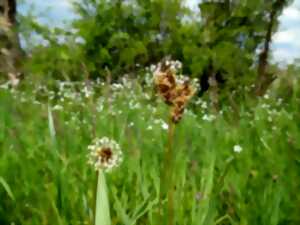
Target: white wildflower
[(149, 127), (79, 40), (198, 101), (174, 65), (152, 68), (265, 106), (134, 105), (100, 105), (181, 79), (57, 108), (208, 118), (237, 148), (36, 102), (147, 96), (164, 126), (105, 154), (117, 87), (204, 105), (5, 85), (162, 123), (88, 92)]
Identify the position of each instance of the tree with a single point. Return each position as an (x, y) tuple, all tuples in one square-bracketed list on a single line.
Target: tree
[(232, 33), (9, 41), (124, 36), (265, 78)]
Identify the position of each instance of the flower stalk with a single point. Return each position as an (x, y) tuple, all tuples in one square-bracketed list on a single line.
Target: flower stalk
[(176, 92), (169, 171), (102, 213), (105, 154)]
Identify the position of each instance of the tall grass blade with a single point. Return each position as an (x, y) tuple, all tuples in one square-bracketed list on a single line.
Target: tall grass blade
[(102, 216), (7, 188), (51, 124)]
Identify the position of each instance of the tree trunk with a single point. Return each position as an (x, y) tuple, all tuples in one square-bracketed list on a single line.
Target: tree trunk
[(264, 78), (9, 41), (9, 10)]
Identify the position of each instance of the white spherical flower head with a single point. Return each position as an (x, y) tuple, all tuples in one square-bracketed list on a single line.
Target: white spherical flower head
[(105, 154), (237, 148)]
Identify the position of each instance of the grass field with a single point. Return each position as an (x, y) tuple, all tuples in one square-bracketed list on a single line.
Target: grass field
[(239, 168)]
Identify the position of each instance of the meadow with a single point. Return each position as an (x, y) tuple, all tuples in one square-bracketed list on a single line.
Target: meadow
[(236, 166)]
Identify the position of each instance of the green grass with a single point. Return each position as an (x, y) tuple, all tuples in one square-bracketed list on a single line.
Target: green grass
[(45, 178)]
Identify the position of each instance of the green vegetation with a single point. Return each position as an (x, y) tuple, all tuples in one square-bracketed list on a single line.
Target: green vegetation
[(118, 37), (233, 158), (45, 178)]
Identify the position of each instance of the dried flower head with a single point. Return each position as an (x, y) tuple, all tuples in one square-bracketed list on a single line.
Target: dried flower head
[(165, 82), (105, 154), (183, 94), (176, 91)]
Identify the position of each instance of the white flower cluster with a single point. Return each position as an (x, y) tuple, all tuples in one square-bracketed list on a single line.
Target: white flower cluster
[(209, 118), (105, 154), (174, 65), (237, 149), (162, 123)]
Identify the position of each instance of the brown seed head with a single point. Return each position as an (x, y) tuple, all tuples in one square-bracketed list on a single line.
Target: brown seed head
[(165, 82), (174, 93), (105, 154), (183, 94)]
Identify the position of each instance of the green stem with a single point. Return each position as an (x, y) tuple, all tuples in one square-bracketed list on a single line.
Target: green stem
[(95, 197), (102, 214), (167, 175), (170, 173)]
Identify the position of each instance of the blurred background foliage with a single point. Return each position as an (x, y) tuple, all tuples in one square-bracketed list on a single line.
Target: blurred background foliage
[(228, 42), (60, 79)]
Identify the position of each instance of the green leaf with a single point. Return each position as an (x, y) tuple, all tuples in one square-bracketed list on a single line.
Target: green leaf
[(7, 188), (51, 124), (102, 203), (2, 128)]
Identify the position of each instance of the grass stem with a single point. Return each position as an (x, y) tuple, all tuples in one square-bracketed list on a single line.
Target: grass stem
[(167, 176)]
